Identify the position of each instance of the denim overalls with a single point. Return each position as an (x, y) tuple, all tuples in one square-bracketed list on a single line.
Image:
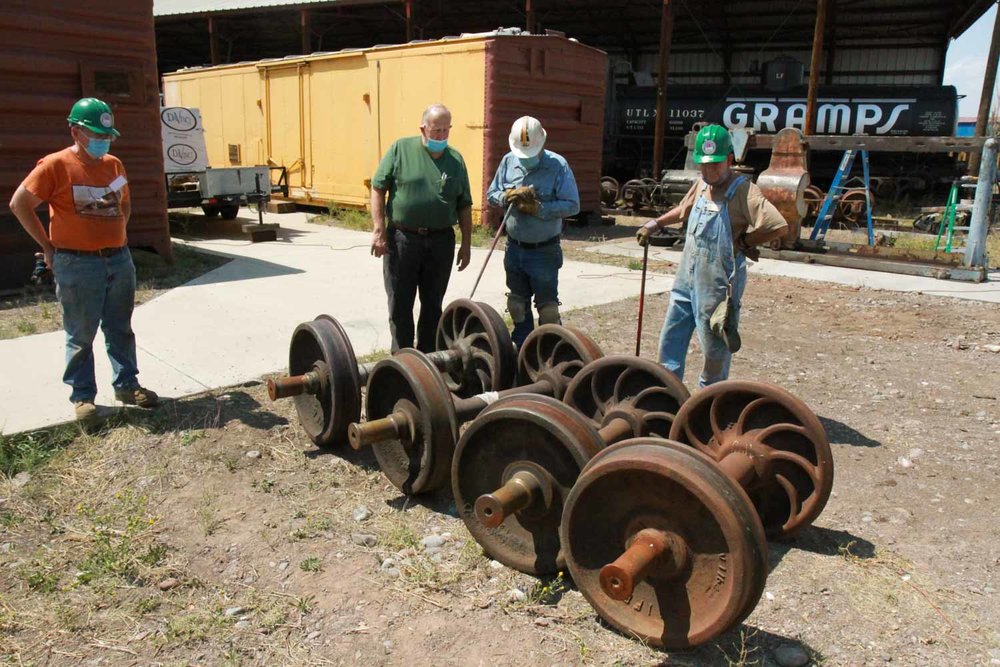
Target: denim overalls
[(705, 271)]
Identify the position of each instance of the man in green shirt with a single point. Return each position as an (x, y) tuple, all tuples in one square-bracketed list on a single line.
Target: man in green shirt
[(428, 188)]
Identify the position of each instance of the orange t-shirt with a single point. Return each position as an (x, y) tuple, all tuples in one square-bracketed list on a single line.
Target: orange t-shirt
[(84, 212)]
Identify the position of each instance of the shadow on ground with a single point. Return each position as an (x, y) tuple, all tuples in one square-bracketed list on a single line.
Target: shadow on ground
[(840, 433)]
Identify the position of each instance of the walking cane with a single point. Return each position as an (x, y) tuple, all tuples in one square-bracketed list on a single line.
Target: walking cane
[(496, 238), (642, 295)]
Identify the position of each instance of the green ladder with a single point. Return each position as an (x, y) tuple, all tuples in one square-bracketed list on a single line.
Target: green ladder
[(950, 210)]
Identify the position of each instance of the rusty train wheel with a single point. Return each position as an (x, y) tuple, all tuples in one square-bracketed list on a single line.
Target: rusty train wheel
[(526, 434), (322, 345), (769, 430), (554, 350), (606, 388), (409, 380), (476, 332), (710, 579)]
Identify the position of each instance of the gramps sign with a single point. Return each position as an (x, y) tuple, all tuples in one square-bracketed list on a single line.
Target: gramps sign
[(932, 113)]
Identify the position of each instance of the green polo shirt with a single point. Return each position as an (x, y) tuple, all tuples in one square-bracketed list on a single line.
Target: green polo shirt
[(423, 192)]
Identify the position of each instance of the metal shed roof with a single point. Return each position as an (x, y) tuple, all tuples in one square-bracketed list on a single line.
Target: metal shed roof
[(182, 7)]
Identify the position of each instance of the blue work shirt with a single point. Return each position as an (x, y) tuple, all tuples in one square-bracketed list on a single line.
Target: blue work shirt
[(556, 189)]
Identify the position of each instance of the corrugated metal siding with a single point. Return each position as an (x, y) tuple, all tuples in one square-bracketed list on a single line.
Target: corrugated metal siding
[(562, 84), (46, 51), (177, 7)]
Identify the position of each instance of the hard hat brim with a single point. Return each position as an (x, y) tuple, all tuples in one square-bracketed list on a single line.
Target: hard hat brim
[(96, 129), (711, 159)]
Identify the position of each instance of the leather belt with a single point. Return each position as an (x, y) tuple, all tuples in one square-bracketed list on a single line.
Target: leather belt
[(532, 246), (103, 252), (423, 231)]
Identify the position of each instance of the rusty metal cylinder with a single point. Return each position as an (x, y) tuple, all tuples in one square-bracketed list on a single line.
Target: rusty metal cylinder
[(519, 492), (616, 430), (739, 467), (395, 426), (293, 385), (618, 579)]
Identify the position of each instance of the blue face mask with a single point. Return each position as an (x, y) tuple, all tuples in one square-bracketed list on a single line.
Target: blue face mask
[(98, 148), (530, 163), (436, 145)]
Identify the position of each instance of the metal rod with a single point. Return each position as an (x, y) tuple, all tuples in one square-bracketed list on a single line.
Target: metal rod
[(989, 82), (529, 16), (294, 385), (213, 42), (519, 492), (409, 20), (393, 427), (469, 408), (615, 430), (642, 295), (660, 122), (618, 579), (496, 237), (814, 65), (306, 31), (739, 468), (975, 245)]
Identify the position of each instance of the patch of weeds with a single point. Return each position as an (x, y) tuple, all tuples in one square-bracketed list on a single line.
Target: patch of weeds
[(742, 652), (24, 452), (70, 617), (311, 564), (314, 527), (192, 627), (10, 518), (147, 605), (208, 519), (119, 549), (482, 237), (189, 437), (155, 554), (634, 264), (351, 218), (400, 536), (548, 592), (472, 554), (305, 604), (231, 461), (41, 579), (266, 485), (25, 327), (271, 619)]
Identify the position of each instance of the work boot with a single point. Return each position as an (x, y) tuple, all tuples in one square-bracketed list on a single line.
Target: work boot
[(144, 398), (85, 410)]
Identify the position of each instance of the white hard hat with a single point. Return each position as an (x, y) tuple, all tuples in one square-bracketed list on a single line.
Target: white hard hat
[(527, 137)]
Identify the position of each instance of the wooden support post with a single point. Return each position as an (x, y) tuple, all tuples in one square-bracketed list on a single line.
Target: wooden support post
[(409, 20), (213, 42), (306, 29), (989, 82), (830, 42), (814, 66), (666, 37), (529, 16)]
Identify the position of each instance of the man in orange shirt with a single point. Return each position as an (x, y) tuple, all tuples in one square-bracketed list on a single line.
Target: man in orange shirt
[(87, 250)]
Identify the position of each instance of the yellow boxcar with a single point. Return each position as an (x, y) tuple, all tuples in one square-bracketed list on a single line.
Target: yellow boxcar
[(328, 117)]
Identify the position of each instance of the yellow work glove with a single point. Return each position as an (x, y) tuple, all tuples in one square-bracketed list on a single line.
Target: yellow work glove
[(642, 235)]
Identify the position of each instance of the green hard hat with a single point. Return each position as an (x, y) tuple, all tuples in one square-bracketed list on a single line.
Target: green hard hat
[(94, 115), (713, 144)]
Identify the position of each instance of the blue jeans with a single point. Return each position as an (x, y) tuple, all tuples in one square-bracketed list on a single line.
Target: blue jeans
[(533, 272), (97, 291)]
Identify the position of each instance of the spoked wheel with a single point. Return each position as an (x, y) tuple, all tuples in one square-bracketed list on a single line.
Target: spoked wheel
[(770, 442), (622, 386), (479, 336), (321, 347), (513, 468), (420, 460), (555, 349), (662, 544)]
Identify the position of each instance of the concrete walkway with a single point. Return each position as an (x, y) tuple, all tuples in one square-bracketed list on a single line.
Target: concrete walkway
[(988, 291), (233, 324)]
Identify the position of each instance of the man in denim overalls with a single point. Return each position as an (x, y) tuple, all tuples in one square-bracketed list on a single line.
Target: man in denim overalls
[(727, 216)]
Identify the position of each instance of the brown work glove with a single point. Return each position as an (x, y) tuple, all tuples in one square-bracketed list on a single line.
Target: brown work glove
[(647, 228), (523, 198)]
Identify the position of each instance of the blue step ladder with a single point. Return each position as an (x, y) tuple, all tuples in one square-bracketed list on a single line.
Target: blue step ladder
[(833, 195)]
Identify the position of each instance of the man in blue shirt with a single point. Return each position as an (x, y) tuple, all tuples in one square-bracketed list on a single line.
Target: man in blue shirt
[(538, 189)]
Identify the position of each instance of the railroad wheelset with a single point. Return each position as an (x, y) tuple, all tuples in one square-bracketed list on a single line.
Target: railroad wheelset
[(413, 419), (474, 350)]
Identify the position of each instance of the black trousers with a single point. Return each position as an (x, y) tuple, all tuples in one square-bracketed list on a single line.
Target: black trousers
[(416, 264)]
